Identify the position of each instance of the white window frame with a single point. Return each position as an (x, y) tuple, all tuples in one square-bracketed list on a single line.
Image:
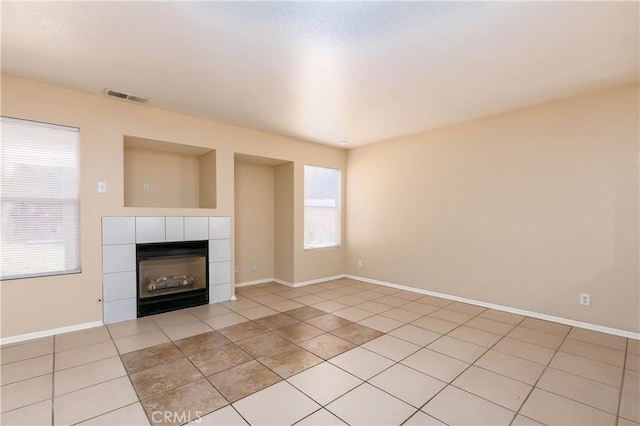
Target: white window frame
[(49, 243), (323, 203)]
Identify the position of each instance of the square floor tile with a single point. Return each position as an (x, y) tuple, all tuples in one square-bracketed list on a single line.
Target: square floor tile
[(374, 307), (85, 354), (274, 321), (130, 415), (201, 342), (285, 305), (545, 326), (305, 313), (237, 382), (208, 311), (87, 375), (381, 323), (189, 402), (181, 331), (497, 327), (22, 351), (457, 407), (224, 320), (435, 324), (320, 418), (226, 416), (25, 392), (409, 385), (290, 361), (475, 336), (362, 363), (34, 414), (151, 357), (466, 308), (140, 341), (26, 369), (422, 419), (324, 382), (525, 350), (589, 392), (436, 365), (77, 339), (415, 335), (328, 322), (594, 370), (263, 344), (402, 315), (550, 409), (329, 306), (326, 345), (453, 316), (356, 333), (257, 312), (391, 347), (280, 404), (299, 332), (223, 357), (521, 420), (419, 308), (506, 317), (90, 402), (630, 406), (540, 338), (594, 352), (353, 314), (238, 332), (494, 387), (511, 366), (164, 377), (464, 351), (367, 405), (131, 328)]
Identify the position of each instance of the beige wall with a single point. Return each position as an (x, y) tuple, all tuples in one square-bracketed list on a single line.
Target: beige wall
[(37, 304), (526, 209), (173, 178), (254, 221), (283, 222)]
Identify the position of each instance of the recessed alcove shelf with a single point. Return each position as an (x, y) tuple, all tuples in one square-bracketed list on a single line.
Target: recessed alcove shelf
[(166, 174)]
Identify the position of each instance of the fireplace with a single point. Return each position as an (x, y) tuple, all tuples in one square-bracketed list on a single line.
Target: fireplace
[(171, 276)]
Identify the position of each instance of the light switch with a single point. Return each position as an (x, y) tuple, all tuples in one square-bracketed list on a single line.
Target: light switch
[(102, 187)]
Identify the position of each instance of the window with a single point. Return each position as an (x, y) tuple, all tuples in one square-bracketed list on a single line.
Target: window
[(321, 207), (39, 198)]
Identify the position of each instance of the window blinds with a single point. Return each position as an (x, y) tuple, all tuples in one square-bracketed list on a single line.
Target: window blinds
[(39, 198)]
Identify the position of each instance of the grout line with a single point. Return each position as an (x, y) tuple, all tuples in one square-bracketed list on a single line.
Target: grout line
[(535, 385), (624, 369)]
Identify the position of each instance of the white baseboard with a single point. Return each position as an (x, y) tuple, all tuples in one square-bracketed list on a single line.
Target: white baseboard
[(303, 283), (566, 321), (248, 283), (51, 332)]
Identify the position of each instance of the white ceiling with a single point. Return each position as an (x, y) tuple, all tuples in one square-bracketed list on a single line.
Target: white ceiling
[(327, 71)]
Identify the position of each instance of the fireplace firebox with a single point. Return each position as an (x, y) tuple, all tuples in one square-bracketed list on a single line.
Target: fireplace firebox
[(171, 276)]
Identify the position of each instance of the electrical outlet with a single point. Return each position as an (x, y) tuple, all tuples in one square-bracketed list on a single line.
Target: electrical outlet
[(146, 187), (254, 267), (585, 299), (237, 268), (360, 264)]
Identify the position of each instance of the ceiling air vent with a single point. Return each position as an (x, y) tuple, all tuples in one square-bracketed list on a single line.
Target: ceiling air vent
[(125, 96)]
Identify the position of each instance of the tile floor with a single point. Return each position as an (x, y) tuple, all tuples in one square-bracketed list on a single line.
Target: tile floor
[(340, 352)]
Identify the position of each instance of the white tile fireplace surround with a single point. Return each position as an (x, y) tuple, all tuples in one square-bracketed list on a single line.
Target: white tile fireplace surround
[(120, 236)]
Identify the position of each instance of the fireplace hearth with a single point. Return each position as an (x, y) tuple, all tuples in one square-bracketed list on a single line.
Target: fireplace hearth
[(171, 276)]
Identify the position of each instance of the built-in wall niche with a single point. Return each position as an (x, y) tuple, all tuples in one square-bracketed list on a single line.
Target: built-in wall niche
[(166, 174)]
